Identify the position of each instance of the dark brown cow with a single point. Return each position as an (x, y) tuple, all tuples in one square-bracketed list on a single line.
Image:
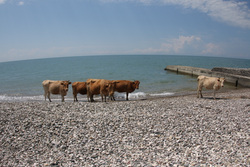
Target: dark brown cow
[(79, 87), (126, 86), (55, 87)]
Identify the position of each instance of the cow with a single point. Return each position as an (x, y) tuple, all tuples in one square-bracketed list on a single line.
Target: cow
[(108, 89), (126, 86), (79, 87), (99, 86), (209, 83), (92, 88), (55, 87)]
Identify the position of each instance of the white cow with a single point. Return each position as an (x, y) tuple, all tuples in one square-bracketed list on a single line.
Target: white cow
[(209, 83), (55, 87)]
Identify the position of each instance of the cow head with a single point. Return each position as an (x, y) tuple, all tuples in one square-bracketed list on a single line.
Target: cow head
[(65, 86), (136, 84), (89, 83), (221, 82)]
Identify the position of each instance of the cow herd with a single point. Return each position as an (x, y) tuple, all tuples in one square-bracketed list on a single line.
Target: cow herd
[(106, 88), (91, 87)]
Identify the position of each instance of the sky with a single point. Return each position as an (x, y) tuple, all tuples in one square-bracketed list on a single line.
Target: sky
[(32, 29)]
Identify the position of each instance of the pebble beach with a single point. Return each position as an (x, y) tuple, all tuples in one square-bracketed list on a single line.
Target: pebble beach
[(169, 131)]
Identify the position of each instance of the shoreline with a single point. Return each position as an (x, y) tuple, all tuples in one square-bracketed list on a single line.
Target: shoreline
[(175, 130), (135, 96)]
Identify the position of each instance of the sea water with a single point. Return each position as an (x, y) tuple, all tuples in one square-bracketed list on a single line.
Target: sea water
[(22, 80)]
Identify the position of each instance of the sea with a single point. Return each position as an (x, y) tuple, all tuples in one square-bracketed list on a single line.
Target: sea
[(22, 80)]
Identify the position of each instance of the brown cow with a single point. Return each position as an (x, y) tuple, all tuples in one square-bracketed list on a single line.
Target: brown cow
[(108, 89), (99, 86), (79, 87), (92, 88), (126, 86), (55, 87), (209, 83)]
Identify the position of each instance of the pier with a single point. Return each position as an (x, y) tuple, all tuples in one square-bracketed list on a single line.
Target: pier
[(237, 76)]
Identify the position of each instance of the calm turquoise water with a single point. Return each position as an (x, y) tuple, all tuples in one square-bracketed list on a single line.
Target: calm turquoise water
[(21, 80)]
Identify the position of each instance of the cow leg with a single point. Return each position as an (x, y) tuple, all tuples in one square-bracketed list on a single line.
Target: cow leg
[(49, 96), (126, 95), (92, 98), (214, 94), (199, 94), (45, 95), (88, 97), (75, 98), (112, 98), (62, 98), (102, 97)]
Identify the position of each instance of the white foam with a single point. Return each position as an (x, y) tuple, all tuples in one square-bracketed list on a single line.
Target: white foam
[(162, 94), (20, 98), (136, 95)]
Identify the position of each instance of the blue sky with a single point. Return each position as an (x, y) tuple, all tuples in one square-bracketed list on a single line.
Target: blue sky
[(33, 29)]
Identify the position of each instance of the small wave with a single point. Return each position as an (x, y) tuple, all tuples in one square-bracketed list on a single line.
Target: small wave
[(136, 95), (162, 94), (140, 95), (5, 98)]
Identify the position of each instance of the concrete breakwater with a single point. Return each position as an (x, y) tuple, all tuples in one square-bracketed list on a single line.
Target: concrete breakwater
[(237, 76)]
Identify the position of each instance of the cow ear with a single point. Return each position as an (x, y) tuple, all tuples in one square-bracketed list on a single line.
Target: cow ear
[(69, 82)]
